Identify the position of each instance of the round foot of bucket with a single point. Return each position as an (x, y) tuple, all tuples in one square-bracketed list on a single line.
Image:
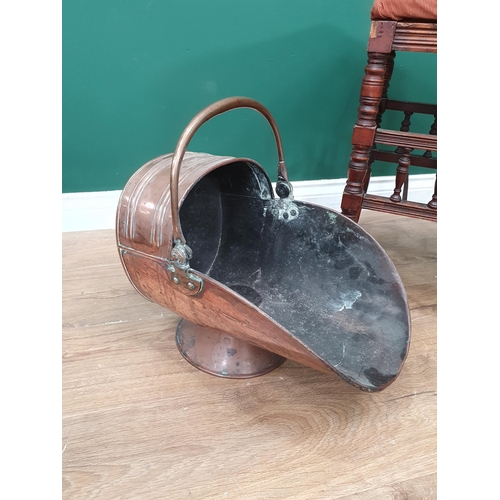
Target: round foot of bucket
[(215, 352)]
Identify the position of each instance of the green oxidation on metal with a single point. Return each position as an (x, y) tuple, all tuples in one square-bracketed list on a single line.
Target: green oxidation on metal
[(136, 72)]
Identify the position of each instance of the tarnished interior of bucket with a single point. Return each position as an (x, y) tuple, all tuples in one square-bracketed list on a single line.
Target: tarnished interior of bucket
[(299, 280), (312, 270)]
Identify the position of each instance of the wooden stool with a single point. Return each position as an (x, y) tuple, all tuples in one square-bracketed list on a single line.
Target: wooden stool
[(397, 25)]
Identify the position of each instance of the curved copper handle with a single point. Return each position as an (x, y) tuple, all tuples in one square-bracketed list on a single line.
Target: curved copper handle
[(283, 187)]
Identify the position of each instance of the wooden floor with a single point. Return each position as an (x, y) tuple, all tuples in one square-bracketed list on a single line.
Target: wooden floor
[(139, 422)]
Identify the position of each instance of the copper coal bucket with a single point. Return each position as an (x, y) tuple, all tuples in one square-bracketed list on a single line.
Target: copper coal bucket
[(258, 278)]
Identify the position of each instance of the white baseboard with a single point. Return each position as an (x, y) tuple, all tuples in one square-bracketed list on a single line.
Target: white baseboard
[(89, 211), (97, 210)]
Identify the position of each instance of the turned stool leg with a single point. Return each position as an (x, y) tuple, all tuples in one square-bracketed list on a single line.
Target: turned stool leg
[(389, 63), (389, 67), (364, 134)]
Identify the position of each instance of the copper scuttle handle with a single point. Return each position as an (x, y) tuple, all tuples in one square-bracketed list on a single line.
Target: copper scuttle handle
[(181, 253)]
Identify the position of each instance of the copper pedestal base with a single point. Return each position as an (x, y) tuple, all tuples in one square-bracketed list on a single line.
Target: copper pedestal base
[(215, 352)]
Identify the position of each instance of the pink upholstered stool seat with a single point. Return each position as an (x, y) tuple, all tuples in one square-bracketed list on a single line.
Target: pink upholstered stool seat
[(404, 10)]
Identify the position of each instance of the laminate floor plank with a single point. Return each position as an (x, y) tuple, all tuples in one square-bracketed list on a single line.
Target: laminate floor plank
[(140, 422)]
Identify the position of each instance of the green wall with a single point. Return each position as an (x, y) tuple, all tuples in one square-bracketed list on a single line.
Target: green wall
[(136, 71)]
